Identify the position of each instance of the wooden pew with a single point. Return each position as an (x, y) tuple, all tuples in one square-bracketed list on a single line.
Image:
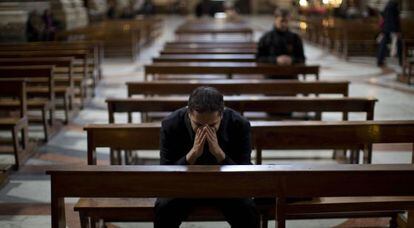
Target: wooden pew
[(240, 87), (16, 89), (234, 51), (229, 69), (170, 45), (121, 38), (205, 58), (408, 60), (214, 29), (81, 72), (43, 102), (265, 135), (95, 49), (247, 104), (216, 44), (62, 64), (117, 41), (272, 181)]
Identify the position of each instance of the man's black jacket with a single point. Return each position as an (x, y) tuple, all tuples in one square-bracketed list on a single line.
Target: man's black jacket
[(177, 139), (276, 43)]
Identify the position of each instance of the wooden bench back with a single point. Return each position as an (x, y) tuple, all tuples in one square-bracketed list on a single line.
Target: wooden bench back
[(229, 69), (239, 87), (251, 104), (205, 58), (208, 45), (95, 49), (265, 135), (275, 181), (16, 89), (234, 51), (32, 74), (81, 57)]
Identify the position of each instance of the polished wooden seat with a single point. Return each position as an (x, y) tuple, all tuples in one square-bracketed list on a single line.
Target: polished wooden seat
[(246, 104), (239, 87), (234, 51), (15, 89), (229, 69), (205, 58)]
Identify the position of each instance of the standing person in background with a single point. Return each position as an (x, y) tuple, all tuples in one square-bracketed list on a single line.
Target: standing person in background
[(34, 27), (204, 8), (391, 30), (50, 26)]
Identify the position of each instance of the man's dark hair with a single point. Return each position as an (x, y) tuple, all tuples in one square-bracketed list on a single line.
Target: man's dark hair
[(280, 12), (206, 99)]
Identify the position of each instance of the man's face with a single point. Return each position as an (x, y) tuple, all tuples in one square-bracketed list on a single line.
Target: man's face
[(282, 23), (211, 119)]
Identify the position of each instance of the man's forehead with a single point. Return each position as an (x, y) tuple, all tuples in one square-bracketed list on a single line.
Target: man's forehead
[(205, 118)]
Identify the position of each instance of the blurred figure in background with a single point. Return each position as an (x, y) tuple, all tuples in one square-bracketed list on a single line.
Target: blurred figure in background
[(391, 32), (34, 27), (280, 45), (204, 8)]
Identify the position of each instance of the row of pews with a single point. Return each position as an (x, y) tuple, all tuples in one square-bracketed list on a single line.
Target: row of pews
[(120, 38), (45, 84), (120, 193), (354, 37), (39, 79)]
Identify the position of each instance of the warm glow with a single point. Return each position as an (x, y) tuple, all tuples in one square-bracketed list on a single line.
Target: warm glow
[(220, 15), (303, 25), (333, 3), (303, 3)]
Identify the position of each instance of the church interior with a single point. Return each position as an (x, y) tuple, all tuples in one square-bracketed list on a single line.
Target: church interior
[(327, 87)]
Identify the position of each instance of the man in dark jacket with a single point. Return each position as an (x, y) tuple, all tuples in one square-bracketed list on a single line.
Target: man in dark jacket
[(391, 26), (280, 45), (205, 133)]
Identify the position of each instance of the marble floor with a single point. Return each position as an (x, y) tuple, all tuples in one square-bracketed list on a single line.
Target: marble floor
[(24, 201)]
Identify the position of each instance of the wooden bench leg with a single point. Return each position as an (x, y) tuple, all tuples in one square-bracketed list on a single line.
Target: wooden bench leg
[(93, 223), (15, 137), (66, 107), (264, 221), (259, 159), (368, 154), (45, 125), (25, 137), (51, 116), (280, 213), (393, 221), (84, 220), (410, 219)]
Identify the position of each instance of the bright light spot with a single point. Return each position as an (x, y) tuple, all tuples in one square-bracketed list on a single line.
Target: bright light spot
[(303, 3), (303, 25), (220, 15), (326, 2)]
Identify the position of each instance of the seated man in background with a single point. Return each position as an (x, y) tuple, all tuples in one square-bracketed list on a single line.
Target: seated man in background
[(280, 45), (205, 133)]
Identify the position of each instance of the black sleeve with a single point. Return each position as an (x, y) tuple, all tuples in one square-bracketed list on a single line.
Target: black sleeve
[(263, 51), (243, 147), (167, 150), (298, 53)]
